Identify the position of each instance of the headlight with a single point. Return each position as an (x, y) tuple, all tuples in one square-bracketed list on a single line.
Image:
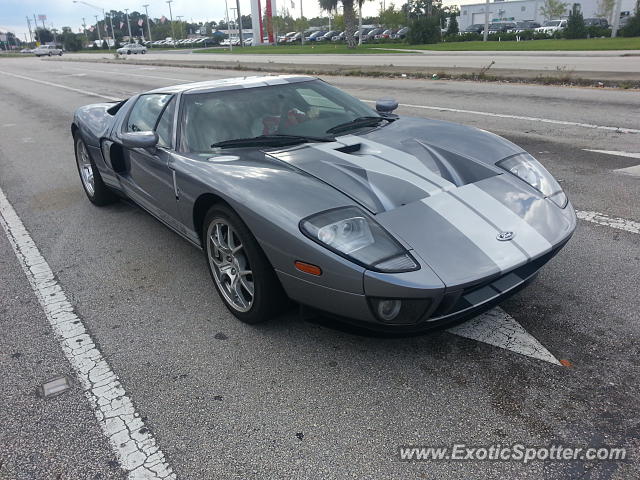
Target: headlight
[(531, 171), (349, 232)]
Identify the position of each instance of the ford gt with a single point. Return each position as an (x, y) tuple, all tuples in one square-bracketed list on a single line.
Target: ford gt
[(295, 190)]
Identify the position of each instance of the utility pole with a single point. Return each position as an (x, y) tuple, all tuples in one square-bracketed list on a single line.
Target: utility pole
[(126, 14), (301, 17), (179, 17), (98, 27), (173, 33), (30, 34), (35, 28), (146, 11), (359, 23), (485, 35), (84, 29), (616, 19), (226, 9), (240, 24)]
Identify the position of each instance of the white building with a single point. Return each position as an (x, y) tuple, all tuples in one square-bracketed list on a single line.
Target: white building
[(521, 10)]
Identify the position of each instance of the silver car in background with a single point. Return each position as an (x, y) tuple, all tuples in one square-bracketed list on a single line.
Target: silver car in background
[(130, 48), (47, 50)]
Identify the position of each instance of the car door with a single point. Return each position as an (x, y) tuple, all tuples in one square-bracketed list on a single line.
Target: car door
[(149, 179)]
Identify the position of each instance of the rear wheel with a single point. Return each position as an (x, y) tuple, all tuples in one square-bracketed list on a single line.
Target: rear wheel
[(96, 190), (240, 270), (128, 52)]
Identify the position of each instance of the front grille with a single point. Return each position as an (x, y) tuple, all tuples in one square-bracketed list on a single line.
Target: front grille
[(488, 288)]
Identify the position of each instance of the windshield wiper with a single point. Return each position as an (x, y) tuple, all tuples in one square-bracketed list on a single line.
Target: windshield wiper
[(270, 140), (359, 122)]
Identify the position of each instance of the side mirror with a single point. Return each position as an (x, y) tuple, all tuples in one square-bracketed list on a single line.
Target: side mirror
[(139, 139), (386, 105)]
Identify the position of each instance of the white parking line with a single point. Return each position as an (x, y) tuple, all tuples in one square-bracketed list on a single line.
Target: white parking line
[(613, 222), (130, 439), (519, 117), (496, 327)]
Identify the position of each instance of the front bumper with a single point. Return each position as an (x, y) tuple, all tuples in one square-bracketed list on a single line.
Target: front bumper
[(453, 305)]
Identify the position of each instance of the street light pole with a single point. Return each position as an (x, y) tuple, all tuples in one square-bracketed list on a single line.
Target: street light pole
[(226, 9), (104, 15), (485, 34), (98, 27), (126, 14), (146, 11), (301, 17), (616, 19), (173, 33)]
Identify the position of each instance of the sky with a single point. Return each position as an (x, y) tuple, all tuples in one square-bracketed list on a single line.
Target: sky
[(62, 13)]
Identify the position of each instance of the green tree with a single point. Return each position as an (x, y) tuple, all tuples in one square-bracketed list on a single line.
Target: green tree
[(553, 9), (632, 29), (391, 17), (575, 25), (453, 29), (424, 29), (349, 13), (605, 8)]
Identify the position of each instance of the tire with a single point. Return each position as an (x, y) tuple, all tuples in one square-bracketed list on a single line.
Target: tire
[(60, 54), (128, 52), (97, 192), (268, 298), (143, 52), (50, 54)]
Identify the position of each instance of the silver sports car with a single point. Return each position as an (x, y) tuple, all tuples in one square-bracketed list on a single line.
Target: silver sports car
[(296, 190)]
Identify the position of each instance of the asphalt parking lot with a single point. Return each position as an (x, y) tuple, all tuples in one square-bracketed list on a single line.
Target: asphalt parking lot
[(557, 364)]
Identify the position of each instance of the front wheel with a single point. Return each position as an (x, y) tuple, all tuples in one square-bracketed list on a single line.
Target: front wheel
[(243, 276), (96, 190), (128, 52)]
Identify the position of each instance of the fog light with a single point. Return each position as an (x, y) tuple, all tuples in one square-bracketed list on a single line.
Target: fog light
[(388, 309), (407, 311)]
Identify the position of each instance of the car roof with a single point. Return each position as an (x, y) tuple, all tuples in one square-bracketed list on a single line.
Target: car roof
[(233, 83)]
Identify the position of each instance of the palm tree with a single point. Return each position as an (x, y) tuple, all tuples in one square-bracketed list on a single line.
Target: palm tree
[(349, 16)]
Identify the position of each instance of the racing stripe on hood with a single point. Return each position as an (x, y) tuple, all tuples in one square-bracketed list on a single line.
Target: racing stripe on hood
[(377, 158), (506, 255), (503, 219), (400, 159)]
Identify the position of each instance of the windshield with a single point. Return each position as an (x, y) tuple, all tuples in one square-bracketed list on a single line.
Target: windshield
[(307, 109)]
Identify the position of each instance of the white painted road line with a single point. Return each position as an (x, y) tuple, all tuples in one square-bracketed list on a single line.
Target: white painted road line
[(132, 442), (496, 327), (519, 117), (613, 152), (607, 221), (65, 87)]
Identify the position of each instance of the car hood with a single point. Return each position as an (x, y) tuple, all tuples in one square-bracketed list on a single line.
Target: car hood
[(435, 186), (408, 160)]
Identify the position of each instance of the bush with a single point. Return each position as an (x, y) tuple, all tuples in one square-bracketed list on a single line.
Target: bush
[(453, 29), (633, 27), (575, 25), (463, 37), (595, 32), (424, 30)]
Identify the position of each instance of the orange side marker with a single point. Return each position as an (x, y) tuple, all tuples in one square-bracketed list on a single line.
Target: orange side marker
[(566, 363), (308, 268)]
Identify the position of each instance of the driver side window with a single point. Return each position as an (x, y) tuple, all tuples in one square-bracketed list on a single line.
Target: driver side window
[(144, 114)]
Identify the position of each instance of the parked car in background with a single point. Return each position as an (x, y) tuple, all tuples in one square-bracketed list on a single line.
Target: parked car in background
[(327, 36), (314, 36), (297, 37), (523, 27), (475, 28), (339, 37), (400, 34), (47, 50), (26, 50), (385, 35), (552, 26), (285, 38), (500, 27), (132, 48), (596, 22), (371, 34), (362, 32), (248, 41)]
